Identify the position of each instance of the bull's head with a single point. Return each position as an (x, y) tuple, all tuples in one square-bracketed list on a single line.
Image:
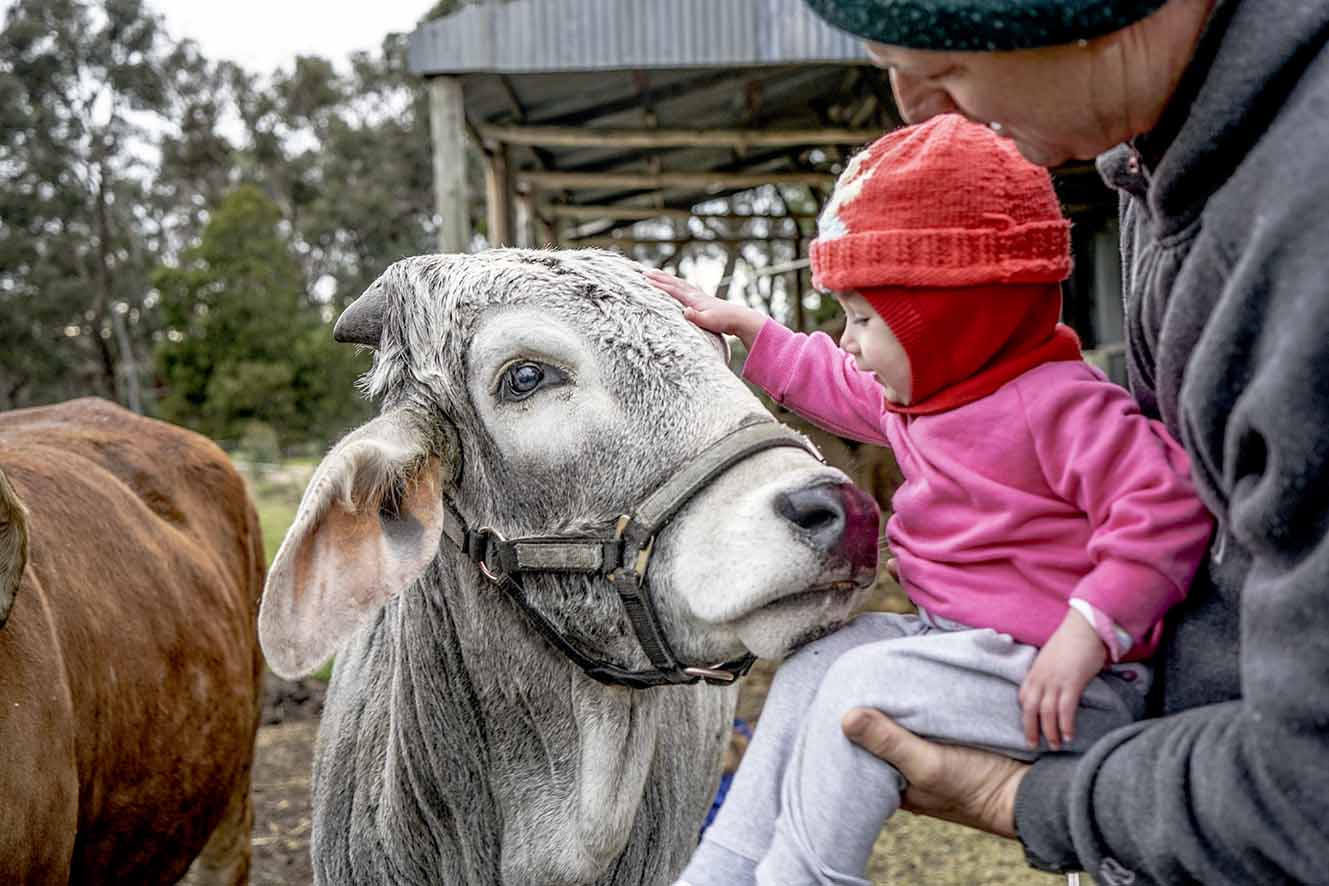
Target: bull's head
[(546, 394)]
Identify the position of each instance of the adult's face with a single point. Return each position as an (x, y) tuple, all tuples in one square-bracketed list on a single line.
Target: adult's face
[(1051, 102), (1057, 103)]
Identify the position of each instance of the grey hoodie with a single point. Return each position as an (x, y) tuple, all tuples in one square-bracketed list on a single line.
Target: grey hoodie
[(1225, 237)]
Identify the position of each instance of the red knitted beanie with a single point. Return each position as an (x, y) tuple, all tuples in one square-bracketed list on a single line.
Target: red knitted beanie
[(944, 203), (959, 244)]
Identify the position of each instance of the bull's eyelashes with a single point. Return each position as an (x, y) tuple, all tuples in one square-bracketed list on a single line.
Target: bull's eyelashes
[(520, 380)]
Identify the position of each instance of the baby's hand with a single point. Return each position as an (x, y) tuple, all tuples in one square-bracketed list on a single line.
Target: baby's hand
[(710, 313), (1072, 656)]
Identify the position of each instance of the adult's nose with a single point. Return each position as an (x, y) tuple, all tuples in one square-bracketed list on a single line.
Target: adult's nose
[(917, 99), (835, 518)]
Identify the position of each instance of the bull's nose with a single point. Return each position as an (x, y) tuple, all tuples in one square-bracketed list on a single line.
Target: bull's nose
[(836, 518)]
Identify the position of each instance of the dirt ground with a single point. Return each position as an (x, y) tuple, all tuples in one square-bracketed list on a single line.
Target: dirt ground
[(283, 758), (911, 850)]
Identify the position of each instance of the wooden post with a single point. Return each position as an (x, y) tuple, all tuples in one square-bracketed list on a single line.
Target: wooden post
[(498, 208), (526, 220), (447, 128), (791, 282), (727, 275), (546, 231)]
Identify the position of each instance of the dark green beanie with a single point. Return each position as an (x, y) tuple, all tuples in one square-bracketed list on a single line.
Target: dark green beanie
[(981, 25)]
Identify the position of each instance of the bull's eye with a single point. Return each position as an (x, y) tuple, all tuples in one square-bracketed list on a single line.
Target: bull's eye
[(523, 379)]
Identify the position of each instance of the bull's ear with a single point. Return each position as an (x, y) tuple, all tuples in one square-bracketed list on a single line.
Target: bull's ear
[(13, 546), (367, 527)]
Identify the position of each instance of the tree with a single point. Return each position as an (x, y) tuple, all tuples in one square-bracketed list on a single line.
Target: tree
[(75, 85), (114, 160), (198, 163), (347, 157), (242, 342)]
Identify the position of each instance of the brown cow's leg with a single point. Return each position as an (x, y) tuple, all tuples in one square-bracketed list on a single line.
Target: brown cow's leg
[(39, 775), (37, 835), (224, 861)]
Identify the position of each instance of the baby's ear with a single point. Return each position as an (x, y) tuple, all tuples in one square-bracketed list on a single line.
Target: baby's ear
[(367, 527)]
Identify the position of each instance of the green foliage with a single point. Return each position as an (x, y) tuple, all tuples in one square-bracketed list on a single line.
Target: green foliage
[(444, 8), (118, 148), (74, 254), (242, 343), (260, 443), (347, 156)]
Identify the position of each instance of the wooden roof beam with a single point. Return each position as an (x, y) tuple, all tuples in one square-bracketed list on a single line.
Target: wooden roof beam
[(659, 180), (627, 242), (584, 212), (598, 137)]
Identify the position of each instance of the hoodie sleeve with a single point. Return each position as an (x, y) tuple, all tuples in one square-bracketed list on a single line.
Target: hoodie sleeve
[(1149, 529), (812, 376), (1234, 792)]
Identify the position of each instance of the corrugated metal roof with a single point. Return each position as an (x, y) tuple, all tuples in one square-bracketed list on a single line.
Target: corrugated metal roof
[(528, 36)]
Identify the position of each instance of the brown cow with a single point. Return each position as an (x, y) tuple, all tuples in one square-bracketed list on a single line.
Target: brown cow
[(129, 663)]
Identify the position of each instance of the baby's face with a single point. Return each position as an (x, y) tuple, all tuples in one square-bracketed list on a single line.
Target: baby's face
[(874, 347)]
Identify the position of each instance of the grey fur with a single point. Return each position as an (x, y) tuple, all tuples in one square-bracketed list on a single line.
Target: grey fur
[(456, 746)]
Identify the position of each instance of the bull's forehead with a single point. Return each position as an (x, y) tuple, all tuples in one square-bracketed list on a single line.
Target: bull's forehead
[(436, 304), (522, 276)]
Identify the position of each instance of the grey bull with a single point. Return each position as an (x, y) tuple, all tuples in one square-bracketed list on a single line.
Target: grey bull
[(538, 394)]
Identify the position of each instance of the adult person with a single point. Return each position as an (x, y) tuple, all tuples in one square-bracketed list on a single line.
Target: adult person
[(1212, 117)]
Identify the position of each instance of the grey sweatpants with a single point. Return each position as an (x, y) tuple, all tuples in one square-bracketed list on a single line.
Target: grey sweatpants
[(806, 804)]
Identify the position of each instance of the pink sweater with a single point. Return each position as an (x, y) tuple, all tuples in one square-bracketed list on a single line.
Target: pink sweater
[(1054, 487)]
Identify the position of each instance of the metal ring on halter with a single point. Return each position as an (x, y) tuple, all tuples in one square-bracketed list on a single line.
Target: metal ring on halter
[(710, 674), (483, 566)]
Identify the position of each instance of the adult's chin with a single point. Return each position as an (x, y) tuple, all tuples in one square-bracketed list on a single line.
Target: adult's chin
[(1042, 155)]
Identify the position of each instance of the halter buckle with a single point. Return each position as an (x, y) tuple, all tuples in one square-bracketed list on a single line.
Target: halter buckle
[(643, 558), (711, 675)]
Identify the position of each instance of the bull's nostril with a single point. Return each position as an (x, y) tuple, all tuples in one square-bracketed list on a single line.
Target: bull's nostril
[(816, 510), (815, 519), (836, 518)]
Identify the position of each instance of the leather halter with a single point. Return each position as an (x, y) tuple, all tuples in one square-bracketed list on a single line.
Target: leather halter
[(623, 559)]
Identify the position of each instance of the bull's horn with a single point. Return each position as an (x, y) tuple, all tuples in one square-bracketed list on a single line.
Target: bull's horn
[(362, 321)]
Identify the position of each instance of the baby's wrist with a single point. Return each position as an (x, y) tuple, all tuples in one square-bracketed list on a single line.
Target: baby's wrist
[(1115, 640), (748, 326)]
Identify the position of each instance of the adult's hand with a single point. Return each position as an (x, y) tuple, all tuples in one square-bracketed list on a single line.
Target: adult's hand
[(964, 785)]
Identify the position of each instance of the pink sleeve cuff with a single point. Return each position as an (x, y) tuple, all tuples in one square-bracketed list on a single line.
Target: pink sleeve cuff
[(1132, 595), (766, 363), (1114, 637)]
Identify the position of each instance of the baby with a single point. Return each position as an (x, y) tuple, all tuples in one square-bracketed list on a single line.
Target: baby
[(1043, 528)]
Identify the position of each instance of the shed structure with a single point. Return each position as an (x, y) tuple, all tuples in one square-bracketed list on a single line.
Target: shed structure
[(661, 127)]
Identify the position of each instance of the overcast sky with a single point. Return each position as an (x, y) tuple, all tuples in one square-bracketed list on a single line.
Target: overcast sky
[(265, 34)]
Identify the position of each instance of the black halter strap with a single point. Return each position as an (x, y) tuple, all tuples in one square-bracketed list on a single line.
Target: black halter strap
[(623, 559)]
